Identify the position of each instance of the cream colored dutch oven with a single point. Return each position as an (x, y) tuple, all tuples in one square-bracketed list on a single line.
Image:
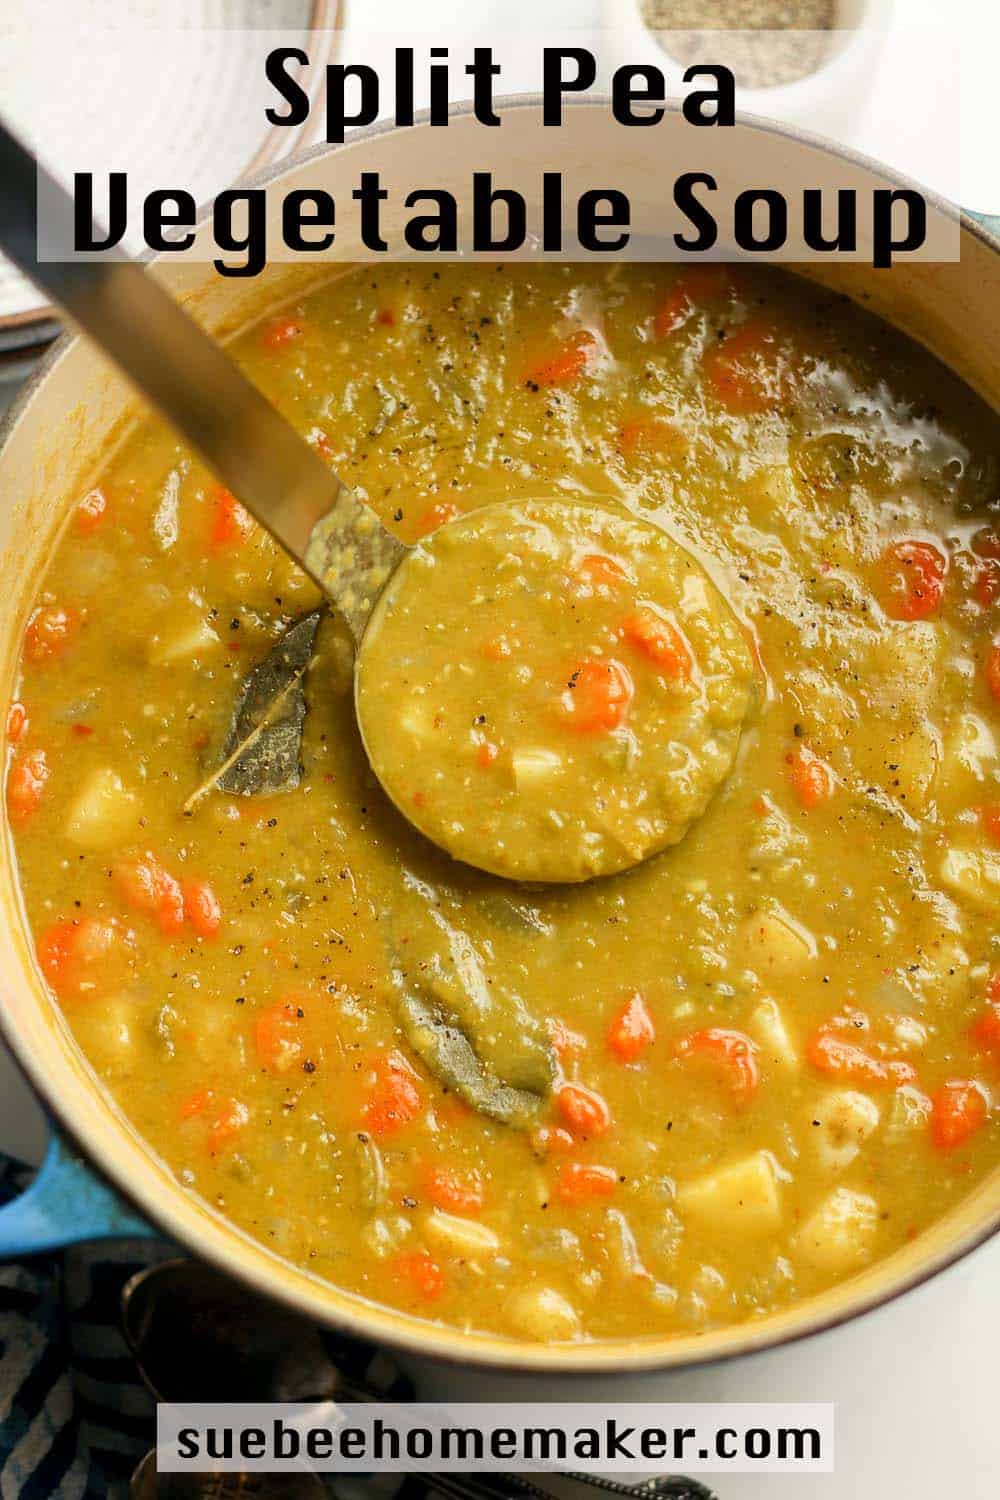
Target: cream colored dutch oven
[(53, 439)]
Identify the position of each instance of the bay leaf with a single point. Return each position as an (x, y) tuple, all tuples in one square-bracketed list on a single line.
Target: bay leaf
[(262, 750), (448, 1053), (511, 914), (469, 1027)]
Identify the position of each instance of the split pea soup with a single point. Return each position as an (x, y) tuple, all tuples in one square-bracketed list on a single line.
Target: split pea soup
[(688, 1094)]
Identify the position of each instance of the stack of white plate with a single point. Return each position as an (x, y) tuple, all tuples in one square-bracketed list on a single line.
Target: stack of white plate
[(173, 95)]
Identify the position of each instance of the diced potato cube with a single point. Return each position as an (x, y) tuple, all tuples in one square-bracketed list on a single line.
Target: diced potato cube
[(776, 945), (909, 1112), (106, 1028), (767, 1027), (943, 975), (88, 572), (901, 758), (912, 767), (695, 598), (974, 874), (458, 1236), (415, 718), (831, 709), (904, 663), (532, 766), (542, 1313), (739, 1199), (841, 1123), (104, 811), (775, 483), (969, 755), (840, 1233), (181, 641), (383, 1235), (909, 1033)]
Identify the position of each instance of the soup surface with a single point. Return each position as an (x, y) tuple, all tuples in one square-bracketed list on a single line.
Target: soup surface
[(666, 1100)]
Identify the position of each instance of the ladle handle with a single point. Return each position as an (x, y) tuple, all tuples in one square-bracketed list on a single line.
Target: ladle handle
[(197, 387)]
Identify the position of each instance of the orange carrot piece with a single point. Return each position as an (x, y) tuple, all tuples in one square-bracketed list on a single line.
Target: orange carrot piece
[(660, 642), (437, 514), (277, 1036), (226, 1126), (989, 817), (598, 693), (695, 286), (225, 1117), (583, 1111), (17, 722), (812, 780), (170, 908), (201, 907), (551, 1140), (90, 512), (650, 435), (832, 1049), (958, 1110), (55, 952), (396, 1098), (741, 370), (912, 578), (453, 1192), (672, 313), (422, 1272), (193, 1106), (984, 1033), (597, 571), (498, 647), (281, 331), (49, 632), (992, 670), (25, 785), (72, 954), (631, 1030), (147, 887), (732, 1052), (579, 1182), (231, 522), (565, 1041), (566, 364)]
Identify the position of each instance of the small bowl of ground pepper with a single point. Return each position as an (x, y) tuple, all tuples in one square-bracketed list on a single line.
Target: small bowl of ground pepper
[(808, 62)]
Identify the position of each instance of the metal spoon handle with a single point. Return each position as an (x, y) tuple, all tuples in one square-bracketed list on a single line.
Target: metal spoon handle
[(198, 388)]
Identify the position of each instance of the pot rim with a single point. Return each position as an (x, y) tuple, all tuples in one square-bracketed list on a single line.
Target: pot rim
[(371, 1322)]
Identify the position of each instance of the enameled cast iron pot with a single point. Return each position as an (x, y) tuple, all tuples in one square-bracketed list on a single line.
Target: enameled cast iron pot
[(54, 436)]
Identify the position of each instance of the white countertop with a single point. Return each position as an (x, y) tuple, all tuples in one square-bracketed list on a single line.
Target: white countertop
[(915, 1384)]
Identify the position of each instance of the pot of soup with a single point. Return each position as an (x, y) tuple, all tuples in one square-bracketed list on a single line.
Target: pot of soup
[(729, 1095)]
